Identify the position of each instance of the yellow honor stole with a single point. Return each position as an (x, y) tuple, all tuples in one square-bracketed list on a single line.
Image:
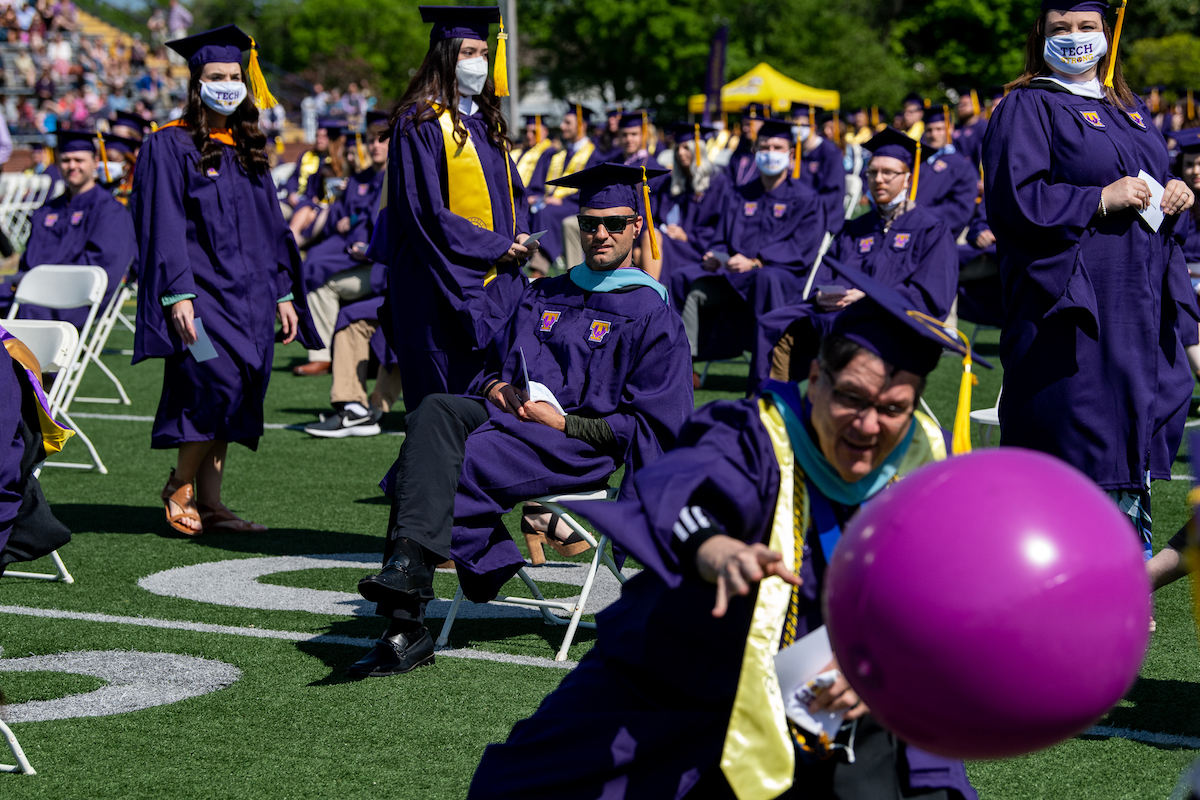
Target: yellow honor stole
[(758, 757), (467, 186), (529, 159), (559, 166)]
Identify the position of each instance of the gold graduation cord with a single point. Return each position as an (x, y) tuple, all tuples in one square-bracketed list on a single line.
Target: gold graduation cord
[(962, 415), (529, 159), (467, 186), (1112, 51), (758, 758), (560, 166), (54, 436)]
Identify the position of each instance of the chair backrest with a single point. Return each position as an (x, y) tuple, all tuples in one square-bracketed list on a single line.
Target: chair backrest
[(62, 286), (52, 342), (19, 195)]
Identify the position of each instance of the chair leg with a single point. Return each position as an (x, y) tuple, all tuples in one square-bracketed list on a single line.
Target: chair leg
[(549, 618), (124, 398), (443, 639), (576, 615), (99, 465), (22, 764), (60, 572)]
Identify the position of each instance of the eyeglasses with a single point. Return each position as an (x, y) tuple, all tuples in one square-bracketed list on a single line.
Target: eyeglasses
[(590, 224), (886, 174), (852, 403)]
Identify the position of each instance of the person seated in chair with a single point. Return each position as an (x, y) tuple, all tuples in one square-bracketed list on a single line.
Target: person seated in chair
[(771, 231), (898, 242), (28, 433), (336, 269), (84, 225), (821, 164), (590, 373), (308, 192), (949, 182), (679, 697)]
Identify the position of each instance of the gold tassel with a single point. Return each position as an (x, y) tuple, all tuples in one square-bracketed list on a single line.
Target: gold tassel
[(1154, 101), (975, 103), (358, 149), (796, 163), (153, 126), (875, 118), (912, 195), (1191, 105), (1112, 51), (928, 102), (500, 70), (537, 126), (263, 98), (646, 133), (104, 157), (649, 217), (279, 145), (699, 146), (949, 124), (961, 434)]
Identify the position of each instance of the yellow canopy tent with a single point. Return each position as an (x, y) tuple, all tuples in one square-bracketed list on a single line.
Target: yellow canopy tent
[(765, 84)]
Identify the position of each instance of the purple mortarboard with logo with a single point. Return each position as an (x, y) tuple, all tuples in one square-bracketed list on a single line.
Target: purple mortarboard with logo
[(886, 323), (608, 185), (459, 22), (220, 45), (893, 144)]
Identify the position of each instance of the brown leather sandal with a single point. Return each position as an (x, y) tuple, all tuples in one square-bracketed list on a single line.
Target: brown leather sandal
[(222, 520), (183, 496), (535, 540)]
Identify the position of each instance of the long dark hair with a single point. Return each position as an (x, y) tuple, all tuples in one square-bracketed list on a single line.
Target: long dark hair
[(250, 141), (1035, 65), (435, 80)]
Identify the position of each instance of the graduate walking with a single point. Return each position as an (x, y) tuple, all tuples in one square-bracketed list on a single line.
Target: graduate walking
[(217, 267), (1098, 306), (456, 213)]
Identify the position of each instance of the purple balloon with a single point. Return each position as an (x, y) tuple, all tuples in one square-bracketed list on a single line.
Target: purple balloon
[(989, 605)]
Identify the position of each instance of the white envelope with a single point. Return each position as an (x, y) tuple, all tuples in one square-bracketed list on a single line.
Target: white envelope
[(798, 666), (538, 391), (203, 349), (1153, 213)]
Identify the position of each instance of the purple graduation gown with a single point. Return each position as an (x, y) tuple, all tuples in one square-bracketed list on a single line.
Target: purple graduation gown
[(12, 444), (947, 186), (783, 229), (699, 216), (218, 235), (1188, 237), (93, 229), (968, 140), (1097, 309), (634, 373), (647, 708), (442, 314), (826, 171), (359, 203), (537, 180), (741, 167), (916, 256), (980, 300)]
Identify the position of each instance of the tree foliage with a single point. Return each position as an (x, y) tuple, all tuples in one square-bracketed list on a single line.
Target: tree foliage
[(1172, 61)]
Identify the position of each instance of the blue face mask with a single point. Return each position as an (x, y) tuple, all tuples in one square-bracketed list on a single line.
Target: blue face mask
[(771, 162), (1075, 53)]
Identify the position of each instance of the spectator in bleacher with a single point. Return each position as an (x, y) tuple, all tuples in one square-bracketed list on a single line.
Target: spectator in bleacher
[(157, 25), (179, 19), (59, 52), (83, 225), (205, 273), (150, 86), (66, 16), (25, 67), (43, 89), (137, 53)]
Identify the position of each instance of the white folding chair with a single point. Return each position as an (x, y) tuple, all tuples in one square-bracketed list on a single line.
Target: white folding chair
[(22, 764), (95, 346), (53, 344), (574, 608), (61, 286), (20, 195), (988, 418)]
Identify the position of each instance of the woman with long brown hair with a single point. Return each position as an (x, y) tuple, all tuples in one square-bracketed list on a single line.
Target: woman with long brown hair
[(217, 267), (1098, 307), (456, 214)]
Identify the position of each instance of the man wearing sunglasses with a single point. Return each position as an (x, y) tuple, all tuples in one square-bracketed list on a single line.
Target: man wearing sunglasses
[(591, 373), (756, 492)]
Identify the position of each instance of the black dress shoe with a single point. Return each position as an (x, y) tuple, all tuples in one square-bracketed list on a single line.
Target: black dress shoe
[(395, 655), (408, 572)]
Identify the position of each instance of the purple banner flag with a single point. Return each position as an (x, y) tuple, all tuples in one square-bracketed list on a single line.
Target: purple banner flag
[(714, 79)]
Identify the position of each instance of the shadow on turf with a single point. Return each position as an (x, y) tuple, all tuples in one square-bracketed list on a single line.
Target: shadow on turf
[(468, 633), (92, 518), (1159, 706)]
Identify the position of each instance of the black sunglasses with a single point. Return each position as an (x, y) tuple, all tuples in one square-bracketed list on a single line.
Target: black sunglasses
[(590, 224)]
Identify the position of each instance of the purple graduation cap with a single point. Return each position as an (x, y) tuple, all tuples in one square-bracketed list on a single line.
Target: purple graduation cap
[(611, 185), (776, 129), (1188, 140), (76, 142), (756, 111), (1075, 5), (222, 45), (886, 323), (377, 118), (580, 111), (125, 119), (894, 144), (686, 131), (459, 22), (120, 144), (334, 126)]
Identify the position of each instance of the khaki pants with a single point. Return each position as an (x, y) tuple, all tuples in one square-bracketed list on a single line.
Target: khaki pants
[(351, 357), (324, 303), (572, 245)]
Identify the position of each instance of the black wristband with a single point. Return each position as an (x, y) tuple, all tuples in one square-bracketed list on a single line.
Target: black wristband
[(693, 528), (487, 389)]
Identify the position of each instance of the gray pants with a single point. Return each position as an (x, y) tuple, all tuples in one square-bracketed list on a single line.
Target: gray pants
[(708, 292)]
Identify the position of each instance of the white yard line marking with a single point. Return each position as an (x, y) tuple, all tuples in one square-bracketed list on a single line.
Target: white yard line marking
[(1149, 737), (262, 633), (270, 426)]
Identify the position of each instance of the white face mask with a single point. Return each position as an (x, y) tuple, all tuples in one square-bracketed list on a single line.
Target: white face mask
[(771, 162), (222, 97), (472, 74), (1075, 53), (803, 133)]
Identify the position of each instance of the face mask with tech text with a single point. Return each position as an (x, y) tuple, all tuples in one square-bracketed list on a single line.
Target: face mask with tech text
[(771, 162), (1075, 53), (223, 97)]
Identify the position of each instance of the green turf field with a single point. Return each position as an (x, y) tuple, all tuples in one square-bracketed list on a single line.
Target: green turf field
[(291, 726)]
